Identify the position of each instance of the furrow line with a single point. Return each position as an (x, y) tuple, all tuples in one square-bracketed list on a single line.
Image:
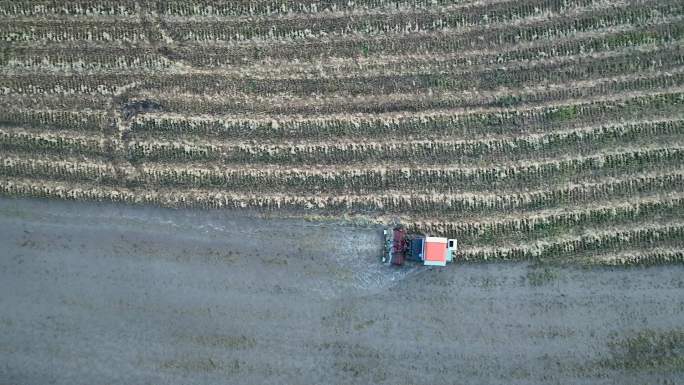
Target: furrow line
[(303, 49), (616, 239), (533, 225), (331, 25), (649, 255), (444, 151), (33, 8), (489, 78), (421, 178), (96, 143), (376, 204), (561, 93), (482, 78), (475, 123), (131, 61)]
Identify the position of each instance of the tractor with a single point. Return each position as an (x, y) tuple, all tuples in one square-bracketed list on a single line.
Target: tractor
[(401, 246)]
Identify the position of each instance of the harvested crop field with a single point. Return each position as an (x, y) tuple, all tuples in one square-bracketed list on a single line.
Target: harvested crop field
[(528, 130), (94, 293)]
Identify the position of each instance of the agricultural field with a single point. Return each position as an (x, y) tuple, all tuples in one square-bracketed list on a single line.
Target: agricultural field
[(529, 130), (102, 293)]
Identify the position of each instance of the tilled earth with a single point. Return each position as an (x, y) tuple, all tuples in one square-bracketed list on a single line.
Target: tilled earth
[(107, 294)]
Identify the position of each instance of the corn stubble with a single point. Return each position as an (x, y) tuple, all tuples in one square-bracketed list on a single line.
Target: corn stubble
[(535, 130)]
